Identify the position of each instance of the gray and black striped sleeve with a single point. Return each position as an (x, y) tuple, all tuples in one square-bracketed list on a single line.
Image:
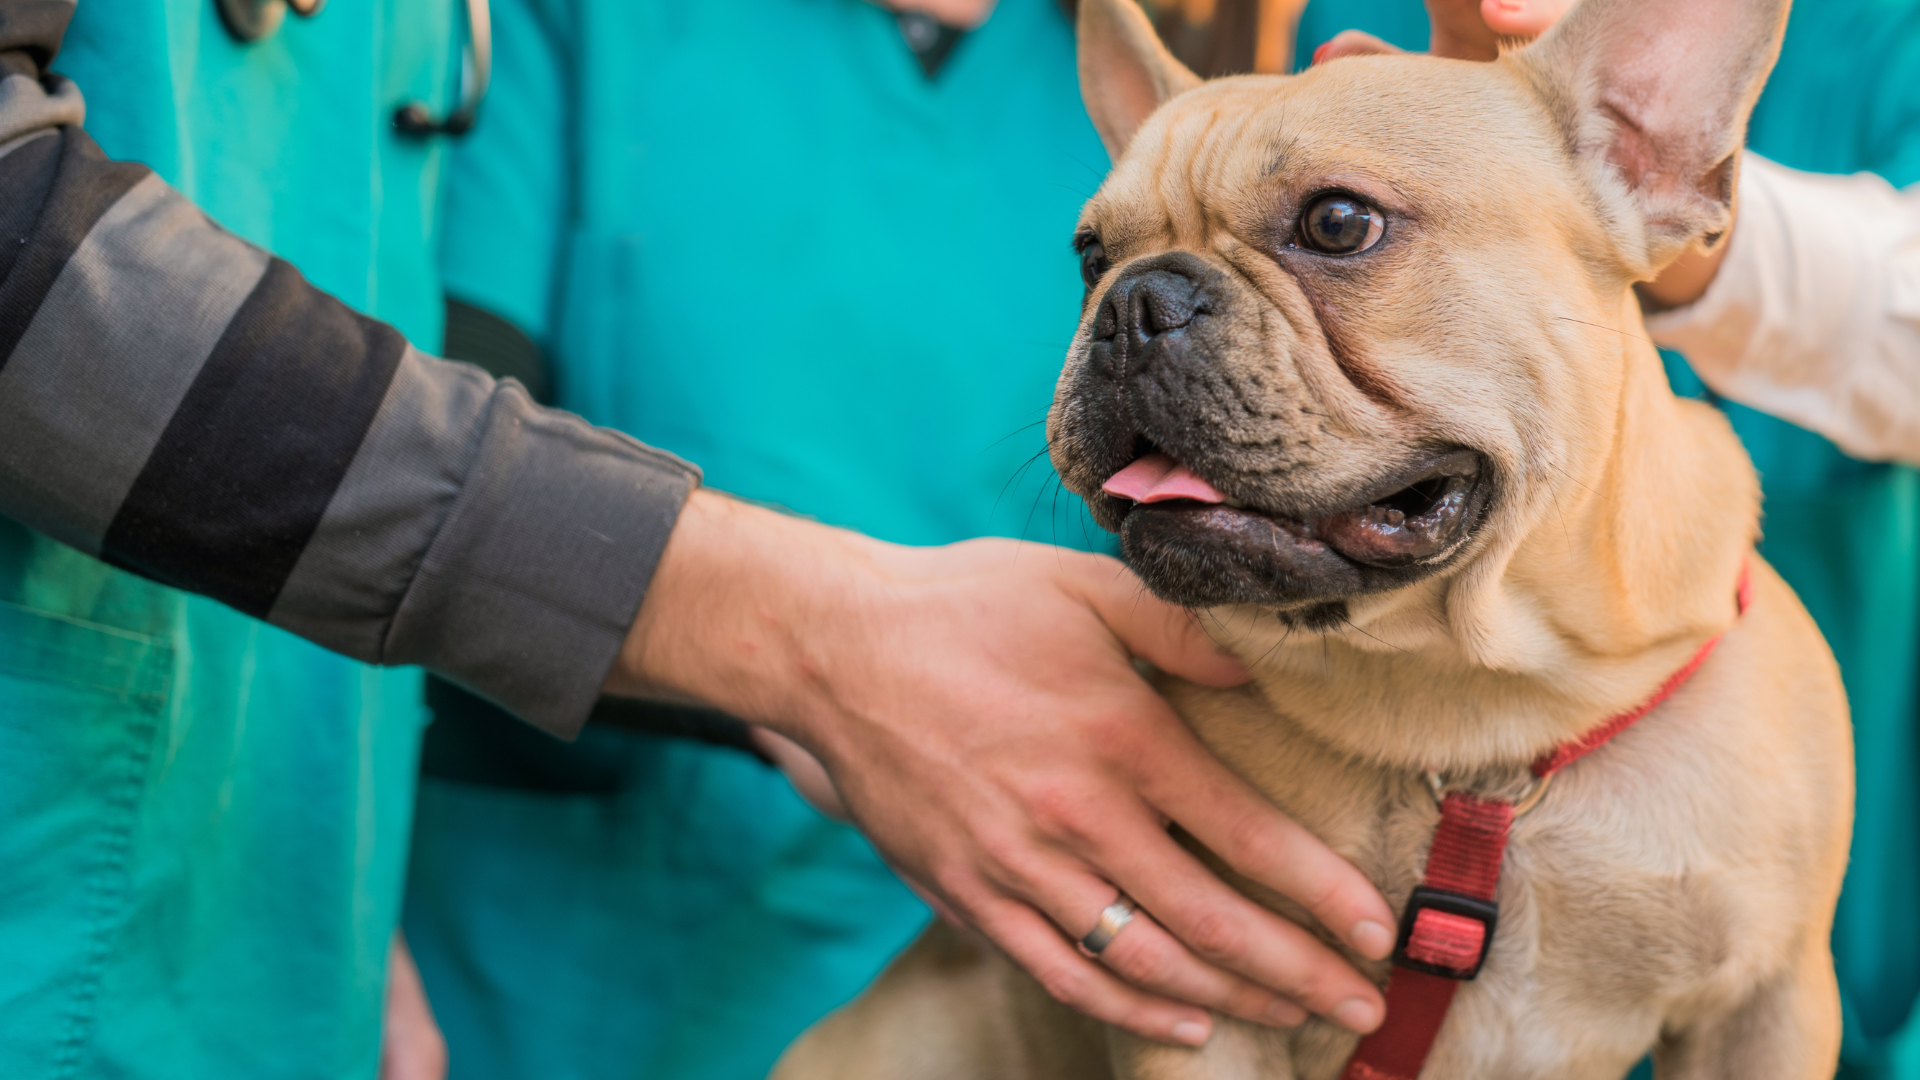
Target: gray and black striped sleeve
[(184, 405)]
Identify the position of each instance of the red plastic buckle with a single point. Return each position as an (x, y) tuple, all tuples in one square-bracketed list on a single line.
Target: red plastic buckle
[(1445, 933)]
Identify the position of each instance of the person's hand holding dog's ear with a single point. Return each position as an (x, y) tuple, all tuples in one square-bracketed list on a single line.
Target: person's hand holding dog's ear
[(979, 713), (1473, 30)]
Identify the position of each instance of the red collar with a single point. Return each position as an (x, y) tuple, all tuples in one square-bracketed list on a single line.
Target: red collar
[(1449, 920)]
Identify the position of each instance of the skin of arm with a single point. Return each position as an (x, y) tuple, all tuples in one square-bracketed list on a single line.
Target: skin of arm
[(977, 709), (1815, 317)]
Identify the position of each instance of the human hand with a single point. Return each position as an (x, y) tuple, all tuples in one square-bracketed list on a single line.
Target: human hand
[(1686, 279), (411, 1046), (977, 708), (965, 14), (1473, 30), (1460, 29), (802, 770)]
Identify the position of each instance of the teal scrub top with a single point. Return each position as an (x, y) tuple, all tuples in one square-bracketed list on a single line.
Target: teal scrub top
[(203, 820), (752, 232), (1844, 533)]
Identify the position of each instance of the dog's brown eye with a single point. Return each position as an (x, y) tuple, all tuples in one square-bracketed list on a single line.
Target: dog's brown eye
[(1340, 225), (1093, 261)]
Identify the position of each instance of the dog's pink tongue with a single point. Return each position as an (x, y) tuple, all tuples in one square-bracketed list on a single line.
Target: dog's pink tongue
[(1159, 478)]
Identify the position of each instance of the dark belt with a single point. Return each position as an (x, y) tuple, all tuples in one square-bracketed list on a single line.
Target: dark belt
[(474, 741)]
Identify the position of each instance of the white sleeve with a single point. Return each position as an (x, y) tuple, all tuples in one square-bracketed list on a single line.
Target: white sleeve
[(1815, 315)]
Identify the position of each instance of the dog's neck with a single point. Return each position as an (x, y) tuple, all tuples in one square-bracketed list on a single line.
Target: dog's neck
[(1623, 564)]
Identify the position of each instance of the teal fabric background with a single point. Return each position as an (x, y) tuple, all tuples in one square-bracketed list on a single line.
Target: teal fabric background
[(205, 819), (753, 233), (1845, 533)]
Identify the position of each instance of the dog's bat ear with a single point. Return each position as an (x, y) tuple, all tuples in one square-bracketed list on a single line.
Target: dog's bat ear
[(1653, 97), (1125, 72)]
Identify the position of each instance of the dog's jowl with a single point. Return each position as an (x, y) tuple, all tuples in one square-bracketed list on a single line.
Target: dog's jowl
[(1360, 373)]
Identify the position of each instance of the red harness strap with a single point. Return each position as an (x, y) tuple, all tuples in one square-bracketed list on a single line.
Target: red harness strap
[(1449, 920)]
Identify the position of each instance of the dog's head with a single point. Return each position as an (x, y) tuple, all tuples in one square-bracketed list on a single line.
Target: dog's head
[(1358, 327)]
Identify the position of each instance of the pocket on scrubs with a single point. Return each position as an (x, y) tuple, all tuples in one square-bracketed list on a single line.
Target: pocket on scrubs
[(81, 707)]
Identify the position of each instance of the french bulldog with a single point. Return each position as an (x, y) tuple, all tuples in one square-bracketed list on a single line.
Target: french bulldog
[(1362, 377)]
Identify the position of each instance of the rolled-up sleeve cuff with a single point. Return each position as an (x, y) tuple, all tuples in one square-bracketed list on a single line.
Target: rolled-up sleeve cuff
[(528, 590)]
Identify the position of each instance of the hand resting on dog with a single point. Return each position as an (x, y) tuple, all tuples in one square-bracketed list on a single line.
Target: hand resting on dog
[(978, 712)]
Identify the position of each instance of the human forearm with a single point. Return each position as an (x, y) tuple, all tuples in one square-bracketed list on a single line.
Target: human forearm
[(727, 617), (1814, 316)]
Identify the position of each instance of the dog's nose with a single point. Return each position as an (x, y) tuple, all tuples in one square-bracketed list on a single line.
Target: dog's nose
[(1146, 305)]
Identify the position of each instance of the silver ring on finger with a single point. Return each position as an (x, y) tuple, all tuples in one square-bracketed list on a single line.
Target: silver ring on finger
[(1112, 920)]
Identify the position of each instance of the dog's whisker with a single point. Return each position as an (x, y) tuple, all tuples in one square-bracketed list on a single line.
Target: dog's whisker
[(1286, 632), (1098, 174), (1603, 326), (1053, 479), (1568, 476), (1348, 619), (1053, 508), (1015, 433), (1018, 474)]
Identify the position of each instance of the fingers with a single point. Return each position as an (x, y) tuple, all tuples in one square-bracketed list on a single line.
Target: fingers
[(929, 898), (1522, 18), (1353, 43), (1218, 947), (1225, 928), (1083, 985), (1171, 638), (1251, 835), (1144, 953)]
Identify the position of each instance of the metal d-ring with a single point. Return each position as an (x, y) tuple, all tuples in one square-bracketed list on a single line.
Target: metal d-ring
[(1528, 799)]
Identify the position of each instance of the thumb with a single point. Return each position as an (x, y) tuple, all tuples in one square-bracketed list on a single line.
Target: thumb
[(1522, 18), (1169, 637), (1354, 43)]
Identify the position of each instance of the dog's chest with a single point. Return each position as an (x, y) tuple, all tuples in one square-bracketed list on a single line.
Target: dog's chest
[(1614, 909)]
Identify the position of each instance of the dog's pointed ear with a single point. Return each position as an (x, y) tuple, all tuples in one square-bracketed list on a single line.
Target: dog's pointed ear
[(1125, 72), (1653, 98)]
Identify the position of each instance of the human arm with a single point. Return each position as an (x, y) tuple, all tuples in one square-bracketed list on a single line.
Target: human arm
[(1814, 316), (183, 405)]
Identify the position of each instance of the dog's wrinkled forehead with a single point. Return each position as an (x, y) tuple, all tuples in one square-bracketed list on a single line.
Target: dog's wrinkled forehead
[(1425, 140)]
